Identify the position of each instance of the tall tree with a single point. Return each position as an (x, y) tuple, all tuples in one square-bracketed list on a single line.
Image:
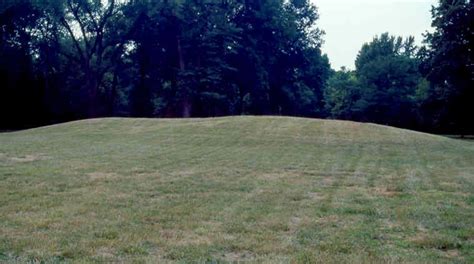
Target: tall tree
[(90, 29), (21, 102), (449, 65), (342, 95), (388, 71), (174, 58)]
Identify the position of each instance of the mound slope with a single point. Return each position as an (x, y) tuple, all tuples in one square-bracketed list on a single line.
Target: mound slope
[(257, 189)]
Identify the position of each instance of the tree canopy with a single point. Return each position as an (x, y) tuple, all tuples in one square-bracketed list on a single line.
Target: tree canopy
[(449, 65), (184, 58), (69, 59)]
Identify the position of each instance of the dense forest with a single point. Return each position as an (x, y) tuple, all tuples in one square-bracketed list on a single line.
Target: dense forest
[(63, 60)]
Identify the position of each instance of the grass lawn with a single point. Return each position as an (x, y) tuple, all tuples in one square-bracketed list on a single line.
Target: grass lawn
[(253, 189)]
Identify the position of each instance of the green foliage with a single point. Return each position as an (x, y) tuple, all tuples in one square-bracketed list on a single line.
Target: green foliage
[(342, 93), (166, 58), (388, 71), (449, 60), (386, 87), (199, 58)]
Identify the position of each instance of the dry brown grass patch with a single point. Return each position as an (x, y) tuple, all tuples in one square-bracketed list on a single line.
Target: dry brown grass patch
[(315, 196), (184, 238), (105, 252), (97, 176), (237, 256), (386, 192), (27, 158), (452, 253)]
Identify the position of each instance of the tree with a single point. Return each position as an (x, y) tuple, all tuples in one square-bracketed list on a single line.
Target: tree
[(388, 71), (449, 66), (21, 102), (164, 58), (207, 58), (282, 67), (342, 94)]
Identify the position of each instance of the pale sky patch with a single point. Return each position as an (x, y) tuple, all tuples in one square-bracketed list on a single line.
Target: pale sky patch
[(351, 23)]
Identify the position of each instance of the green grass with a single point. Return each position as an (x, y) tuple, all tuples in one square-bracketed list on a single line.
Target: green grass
[(253, 189)]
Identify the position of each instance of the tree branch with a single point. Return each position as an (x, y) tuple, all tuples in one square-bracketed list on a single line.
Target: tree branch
[(76, 43), (100, 29), (81, 24)]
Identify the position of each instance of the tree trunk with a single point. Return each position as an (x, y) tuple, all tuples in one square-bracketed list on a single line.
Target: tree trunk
[(186, 104), (113, 95), (93, 103), (92, 89)]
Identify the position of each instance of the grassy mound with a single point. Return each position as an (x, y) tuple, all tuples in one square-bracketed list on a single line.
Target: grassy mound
[(257, 189)]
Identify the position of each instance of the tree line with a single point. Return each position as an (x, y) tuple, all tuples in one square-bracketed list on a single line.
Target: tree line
[(69, 59)]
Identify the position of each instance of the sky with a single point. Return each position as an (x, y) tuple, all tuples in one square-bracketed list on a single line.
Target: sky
[(351, 23)]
